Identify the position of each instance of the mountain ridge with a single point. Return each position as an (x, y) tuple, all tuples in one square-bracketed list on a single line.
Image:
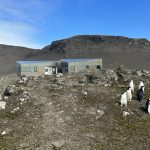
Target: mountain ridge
[(114, 50)]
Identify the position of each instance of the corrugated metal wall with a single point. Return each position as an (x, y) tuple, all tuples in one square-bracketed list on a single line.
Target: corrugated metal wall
[(74, 67), (38, 69), (33, 69)]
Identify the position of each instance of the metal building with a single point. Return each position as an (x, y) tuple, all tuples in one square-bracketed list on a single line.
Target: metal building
[(79, 65), (37, 68)]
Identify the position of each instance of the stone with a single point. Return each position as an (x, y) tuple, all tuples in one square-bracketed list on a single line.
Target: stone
[(22, 99), (100, 113), (20, 81), (2, 105), (83, 79), (145, 71), (122, 76), (6, 131), (54, 85), (139, 73), (106, 85), (26, 93), (84, 92), (9, 91), (5, 97), (15, 110), (59, 75), (125, 113), (25, 79), (58, 144)]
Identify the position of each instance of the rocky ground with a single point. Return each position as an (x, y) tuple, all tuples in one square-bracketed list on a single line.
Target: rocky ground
[(78, 112)]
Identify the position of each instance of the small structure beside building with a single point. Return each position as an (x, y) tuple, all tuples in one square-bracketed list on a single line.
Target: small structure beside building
[(39, 68)]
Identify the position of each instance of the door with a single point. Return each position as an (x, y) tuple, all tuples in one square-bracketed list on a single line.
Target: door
[(48, 71)]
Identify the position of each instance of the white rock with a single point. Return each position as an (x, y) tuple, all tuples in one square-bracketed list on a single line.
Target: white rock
[(26, 93), (6, 131), (139, 73), (22, 99), (59, 75), (20, 81), (15, 110), (5, 97), (106, 85), (2, 105), (3, 133), (25, 79), (100, 114), (58, 144), (84, 92), (125, 113)]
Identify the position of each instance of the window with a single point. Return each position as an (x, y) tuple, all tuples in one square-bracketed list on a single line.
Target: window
[(46, 70), (72, 68), (98, 67), (35, 68), (87, 66)]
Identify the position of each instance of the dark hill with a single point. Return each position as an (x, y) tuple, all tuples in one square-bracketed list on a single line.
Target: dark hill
[(115, 50), (10, 54)]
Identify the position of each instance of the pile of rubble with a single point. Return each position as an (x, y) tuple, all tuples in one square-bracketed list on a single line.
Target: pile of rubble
[(108, 77)]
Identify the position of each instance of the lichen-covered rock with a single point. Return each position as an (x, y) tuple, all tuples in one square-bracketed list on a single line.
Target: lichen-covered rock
[(9, 91)]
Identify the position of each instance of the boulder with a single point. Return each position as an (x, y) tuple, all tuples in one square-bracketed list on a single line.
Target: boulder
[(125, 113), (25, 79), (58, 144), (145, 71), (5, 97), (20, 81), (7, 131), (139, 73), (15, 110), (22, 99), (59, 75), (9, 91), (2, 105), (83, 79)]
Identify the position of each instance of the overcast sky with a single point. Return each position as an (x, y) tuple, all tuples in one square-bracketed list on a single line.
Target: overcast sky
[(36, 23)]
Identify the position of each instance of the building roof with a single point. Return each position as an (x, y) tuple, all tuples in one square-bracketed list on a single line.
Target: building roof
[(31, 62), (78, 60)]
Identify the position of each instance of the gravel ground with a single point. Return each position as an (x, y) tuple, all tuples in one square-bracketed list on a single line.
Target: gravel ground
[(65, 114)]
